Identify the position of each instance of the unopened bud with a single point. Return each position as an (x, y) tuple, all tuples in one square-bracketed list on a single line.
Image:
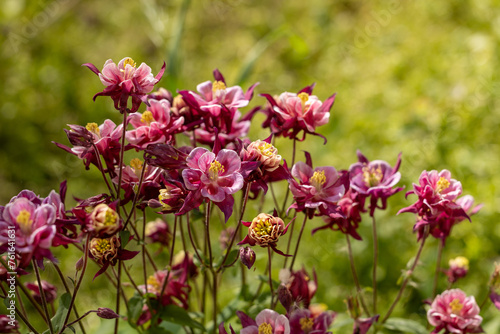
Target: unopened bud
[(79, 264), (353, 307), (285, 297), (247, 256), (106, 313)]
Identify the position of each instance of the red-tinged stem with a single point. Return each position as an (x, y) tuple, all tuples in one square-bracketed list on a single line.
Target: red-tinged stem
[(298, 241), (270, 276), (80, 318), (118, 290), (355, 276), (26, 322), (101, 169), (120, 166), (80, 279), (42, 294), (293, 162), (292, 227), (172, 246), (375, 263), (438, 268), (136, 196), (408, 275), (144, 269)]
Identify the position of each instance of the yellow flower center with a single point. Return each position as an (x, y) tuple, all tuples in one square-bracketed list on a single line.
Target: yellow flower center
[(266, 149), (318, 179), (110, 218), (102, 245), (456, 306), (93, 127), (265, 328), (129, 61), (218, 85), (442, 184), (460, 262), (306, 324), (372, 176), (136, 164), (263, 228), (147, 117), (24, 220), (304, 97), (215, 169), (153, 282)]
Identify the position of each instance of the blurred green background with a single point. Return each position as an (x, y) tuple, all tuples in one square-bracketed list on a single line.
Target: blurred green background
[(418, 77)]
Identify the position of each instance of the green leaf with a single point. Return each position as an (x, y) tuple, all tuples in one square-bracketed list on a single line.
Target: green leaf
[(62, 311), (230, 259), (180, 316), (157, 330), (124, 238), (405, 326), (134, 309)]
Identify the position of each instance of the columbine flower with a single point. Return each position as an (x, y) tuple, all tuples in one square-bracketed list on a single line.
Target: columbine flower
[(107, 251), (459, 267), (374, 179), (266, 322), (8, 325), (104, 220), (300, 284), (265, 231), (292, 113), (215, 177), (454, 312), (49, 290), (126, 80), (155, 125), (494, 285), (247, 256), (265, 153), (319, 188), (302, 321), (158, 231)]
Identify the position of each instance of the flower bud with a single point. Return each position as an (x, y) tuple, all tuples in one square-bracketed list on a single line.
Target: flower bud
[(49, 290), (459, 267), (266, 153), (158, 231), (247, 256), (285, 297), (79, 264), (106, 313), (105, 220), (353, 307)]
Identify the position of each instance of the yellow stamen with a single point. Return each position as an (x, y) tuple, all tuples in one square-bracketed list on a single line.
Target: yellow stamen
[(147, 117), (110, 218), (136, 164), (93, 127), (306, 324), (266, 149), (263, 227), (456, 306), (304, 97), (102, 245), (265, 328), (318, 179), (215, 169), (460, 262), (372, 176), (153, 282), (129, 61), (442, 184), (165, 195), (24, 220), (218, 85)]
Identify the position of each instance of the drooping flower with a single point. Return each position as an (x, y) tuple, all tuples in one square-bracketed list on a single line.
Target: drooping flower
[(361, 325), (266, 322), (375, 179), (9, 324), (300, 284), (49, 290), (454, 312), (319, 188), (458, 268), (107, 251), (265, 231), (126, 80), (303, 321), (155, 125), (265, 153), (104, 220), (494, 286), (157, 231), (247, 256), (291, 113), (215, 177)]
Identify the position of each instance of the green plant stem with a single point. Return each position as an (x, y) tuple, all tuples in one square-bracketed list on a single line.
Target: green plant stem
[(66, 287), (172, 247), (144, 269), (120, 165), (26, 322), (438, 267), (136, 196), (355, 276), (42, 294), (101, 169), (80, 318), (118, 289), (80, 279), (289, 244), (288, 188), (298, 241), (375, 263), (269, 255), (408, 275)]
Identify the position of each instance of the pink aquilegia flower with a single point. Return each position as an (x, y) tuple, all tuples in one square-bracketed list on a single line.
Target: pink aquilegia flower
[(265, 231), (215, 177), (458, 268), (301, 285), (319, 188), (375, 179), (454, 312), (302, 321), (126, 80), (267, 321), (49, 290), (157, 231), (292, 113), (155, 125)]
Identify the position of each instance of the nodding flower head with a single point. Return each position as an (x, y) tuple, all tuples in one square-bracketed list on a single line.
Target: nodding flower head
[(265, 231), (265, 153), (105, 250), (105, 221)]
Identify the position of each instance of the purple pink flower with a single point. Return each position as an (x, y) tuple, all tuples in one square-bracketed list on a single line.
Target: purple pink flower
[(49, 290), (267, 321), (454, 312)]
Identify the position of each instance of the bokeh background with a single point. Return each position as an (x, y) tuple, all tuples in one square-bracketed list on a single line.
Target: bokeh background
[(417, 77)]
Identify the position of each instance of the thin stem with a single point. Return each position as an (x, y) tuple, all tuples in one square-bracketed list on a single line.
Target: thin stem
[(293, 162), (42, 294), (193, 243), (133, 282), (214, 300), (355, 276), (172, 246), (136, 196), (118, 288), (72, 302), (290, 239), (79, 318), (101, 169), (120, 166), (144, 269), (408, 275), (438, 267), (270, 276), (375, 262), (207, 231), (298, 241), (26, 322), (66, 287)]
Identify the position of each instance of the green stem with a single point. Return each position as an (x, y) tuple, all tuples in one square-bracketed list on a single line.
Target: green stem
[(118, 290), (291, 229), (42, 294), (355, 276), (438, 267), (408, 275), (298, 241), (375, 263), (288, 188), (270, 276)]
